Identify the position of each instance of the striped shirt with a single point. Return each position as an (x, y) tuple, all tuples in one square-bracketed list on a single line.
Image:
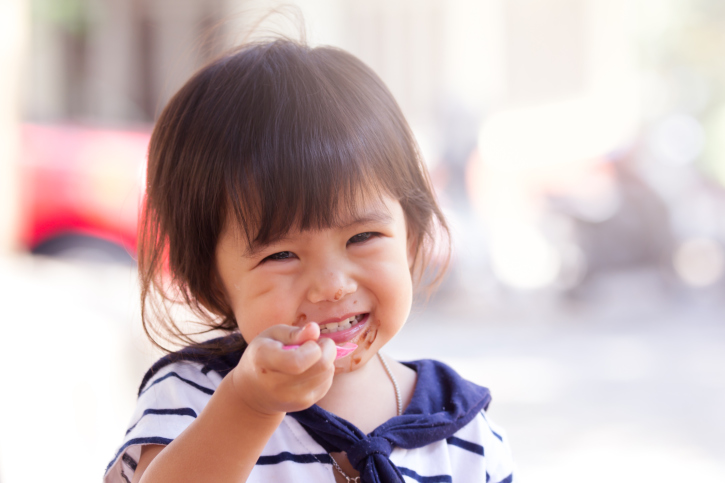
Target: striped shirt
[(176, 393)]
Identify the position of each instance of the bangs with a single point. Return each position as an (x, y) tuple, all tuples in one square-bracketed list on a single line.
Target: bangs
[(333, 198), (274, 136), (307, 154)]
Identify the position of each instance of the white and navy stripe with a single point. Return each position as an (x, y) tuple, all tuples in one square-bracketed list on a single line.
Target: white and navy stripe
[(176, 393)]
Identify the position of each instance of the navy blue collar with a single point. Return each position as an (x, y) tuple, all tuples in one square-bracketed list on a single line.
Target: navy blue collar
[(442, 403)]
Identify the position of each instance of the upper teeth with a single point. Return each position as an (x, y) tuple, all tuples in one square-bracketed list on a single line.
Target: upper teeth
[(342, 325)]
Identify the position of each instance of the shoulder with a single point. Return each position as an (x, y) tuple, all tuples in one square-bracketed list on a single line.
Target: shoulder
[(477, 452), (439, 387), (477, 449), (219, 355), (172, 394), (481, 448), (485, 437)]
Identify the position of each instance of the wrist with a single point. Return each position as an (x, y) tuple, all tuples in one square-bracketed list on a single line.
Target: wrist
[(244, 402)]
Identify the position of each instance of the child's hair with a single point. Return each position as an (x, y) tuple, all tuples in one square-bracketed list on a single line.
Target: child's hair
[(273, 135)]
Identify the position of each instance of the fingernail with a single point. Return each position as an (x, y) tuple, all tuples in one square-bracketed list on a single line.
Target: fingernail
[(289, 347), (300, 329)]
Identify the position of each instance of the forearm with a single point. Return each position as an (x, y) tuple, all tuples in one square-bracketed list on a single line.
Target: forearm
[(221, 445)]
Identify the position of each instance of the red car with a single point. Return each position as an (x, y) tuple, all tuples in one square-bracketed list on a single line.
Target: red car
[(80, 190)]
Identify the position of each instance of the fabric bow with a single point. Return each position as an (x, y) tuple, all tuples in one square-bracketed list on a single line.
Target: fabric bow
[(442, 403)]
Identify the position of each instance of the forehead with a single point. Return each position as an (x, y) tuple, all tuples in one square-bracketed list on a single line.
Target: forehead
[(380, 209)]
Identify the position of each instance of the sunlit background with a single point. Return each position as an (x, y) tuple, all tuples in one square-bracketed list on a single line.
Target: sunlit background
[(578, 150)]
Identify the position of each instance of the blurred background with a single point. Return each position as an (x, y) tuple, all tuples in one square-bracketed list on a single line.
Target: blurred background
[(578, 150)]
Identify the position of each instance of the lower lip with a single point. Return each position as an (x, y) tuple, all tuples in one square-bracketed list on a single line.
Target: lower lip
[(347, 334)]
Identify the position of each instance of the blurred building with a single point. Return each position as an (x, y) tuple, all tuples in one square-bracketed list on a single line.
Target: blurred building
[(114, 61), (117, 61), (513, 102), (452, 65)]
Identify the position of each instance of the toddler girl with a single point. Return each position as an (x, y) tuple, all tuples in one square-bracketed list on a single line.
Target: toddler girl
[(288, 207)]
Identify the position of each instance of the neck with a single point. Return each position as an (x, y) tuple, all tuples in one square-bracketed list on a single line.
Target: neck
[(350, 395)]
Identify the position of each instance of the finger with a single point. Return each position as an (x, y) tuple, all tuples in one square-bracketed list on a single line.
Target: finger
[(325, 365), (291, 335), (295, 361), (322, 370), (328, 352), (328, 349), (322, 365), (310, 331), (319, 382)]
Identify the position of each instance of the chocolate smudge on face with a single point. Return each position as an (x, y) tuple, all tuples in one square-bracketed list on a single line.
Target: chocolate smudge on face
[(301, 319), (369, 337), (264, 371), (357, 360), (338, 294), (363, 336)]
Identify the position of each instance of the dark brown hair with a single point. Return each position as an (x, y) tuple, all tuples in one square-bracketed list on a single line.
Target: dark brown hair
[(277, 135)]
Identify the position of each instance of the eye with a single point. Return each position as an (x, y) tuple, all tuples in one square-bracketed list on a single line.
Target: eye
[(280, 256), (362, 237)]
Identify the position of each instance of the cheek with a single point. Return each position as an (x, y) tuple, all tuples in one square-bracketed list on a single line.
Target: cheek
[(262, 303), (394, 285)]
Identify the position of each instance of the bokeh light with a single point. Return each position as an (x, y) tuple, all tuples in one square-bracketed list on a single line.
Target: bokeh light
[(699, 261)]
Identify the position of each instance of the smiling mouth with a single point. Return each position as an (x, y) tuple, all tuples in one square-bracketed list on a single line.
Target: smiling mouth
[(345, 330), (342, 325)]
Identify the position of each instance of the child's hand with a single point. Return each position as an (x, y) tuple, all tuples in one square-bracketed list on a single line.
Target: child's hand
[(270, 379)]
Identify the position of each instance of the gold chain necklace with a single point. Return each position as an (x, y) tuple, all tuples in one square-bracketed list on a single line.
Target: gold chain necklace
[(398, 400)]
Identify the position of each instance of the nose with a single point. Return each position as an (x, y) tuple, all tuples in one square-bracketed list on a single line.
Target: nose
[(330, 285)]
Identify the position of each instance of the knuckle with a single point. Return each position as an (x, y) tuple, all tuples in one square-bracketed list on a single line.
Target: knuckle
[(297, 366)]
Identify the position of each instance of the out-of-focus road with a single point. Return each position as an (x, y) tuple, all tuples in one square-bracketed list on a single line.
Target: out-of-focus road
[(627, 387)]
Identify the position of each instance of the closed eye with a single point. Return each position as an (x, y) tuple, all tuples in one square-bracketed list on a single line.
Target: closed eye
[(280, 256), (362, 237)]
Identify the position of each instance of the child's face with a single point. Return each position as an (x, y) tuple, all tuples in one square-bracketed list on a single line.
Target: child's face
[(359, 271)]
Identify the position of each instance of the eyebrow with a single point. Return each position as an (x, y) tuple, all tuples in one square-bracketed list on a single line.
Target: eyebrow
[(372, 216), (369, 217)]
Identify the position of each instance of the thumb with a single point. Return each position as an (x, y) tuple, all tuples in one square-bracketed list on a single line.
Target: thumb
[(310, 331)]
